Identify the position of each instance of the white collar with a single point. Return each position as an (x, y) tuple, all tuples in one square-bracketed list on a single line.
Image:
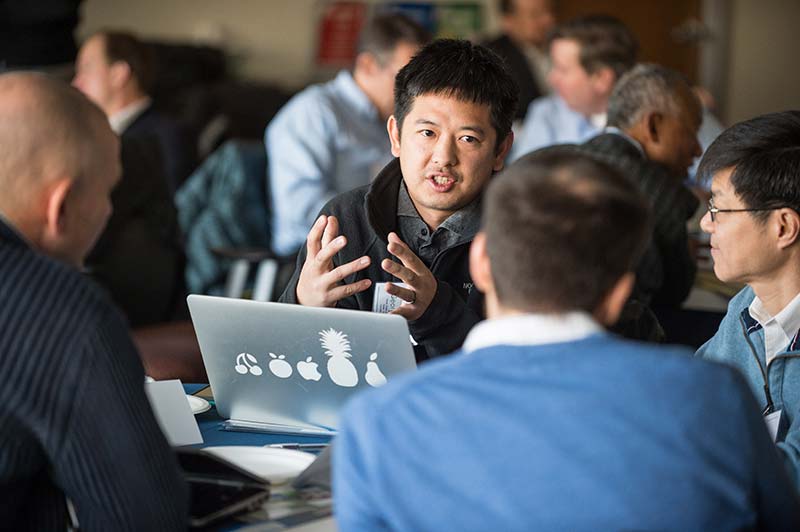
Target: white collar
[(779, 329), (598, 120), (531, 329), (124, 117)]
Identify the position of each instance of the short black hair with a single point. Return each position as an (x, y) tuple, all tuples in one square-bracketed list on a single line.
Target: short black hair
[(604, 41), (561, 229), (384, 31), (764, 153), (462, 70), (140, 57)]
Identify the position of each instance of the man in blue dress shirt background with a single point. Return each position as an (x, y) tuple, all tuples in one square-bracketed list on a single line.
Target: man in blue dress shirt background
[(331, 138)]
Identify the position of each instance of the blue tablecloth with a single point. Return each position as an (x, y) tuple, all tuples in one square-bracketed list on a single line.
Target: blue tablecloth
[(210, 427)]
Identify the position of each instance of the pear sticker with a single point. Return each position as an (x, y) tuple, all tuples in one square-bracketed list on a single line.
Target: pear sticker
[(374, 376), (341, 371), (279, 367)]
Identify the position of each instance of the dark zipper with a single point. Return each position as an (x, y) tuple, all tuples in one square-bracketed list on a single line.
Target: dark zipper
[(770, 408)]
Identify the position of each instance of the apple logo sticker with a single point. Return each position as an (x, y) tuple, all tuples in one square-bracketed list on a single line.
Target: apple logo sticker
[(308, 370)]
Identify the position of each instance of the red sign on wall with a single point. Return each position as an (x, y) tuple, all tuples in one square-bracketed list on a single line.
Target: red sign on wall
[(338, 36)]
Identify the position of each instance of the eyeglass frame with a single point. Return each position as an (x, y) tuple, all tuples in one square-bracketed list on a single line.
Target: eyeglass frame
[(714, 210)]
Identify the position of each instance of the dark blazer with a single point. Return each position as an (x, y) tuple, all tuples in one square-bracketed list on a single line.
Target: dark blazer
[(520, 69), (74, 418), (172, 143), (138, 258), (666, 273)]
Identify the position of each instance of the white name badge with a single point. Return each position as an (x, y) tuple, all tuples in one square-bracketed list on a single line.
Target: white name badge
[(382, 301), (773, 422)]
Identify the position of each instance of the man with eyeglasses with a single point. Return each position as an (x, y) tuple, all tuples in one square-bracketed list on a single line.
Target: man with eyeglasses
[(754, 222)]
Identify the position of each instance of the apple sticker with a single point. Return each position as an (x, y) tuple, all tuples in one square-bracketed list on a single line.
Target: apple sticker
[(308, 370)]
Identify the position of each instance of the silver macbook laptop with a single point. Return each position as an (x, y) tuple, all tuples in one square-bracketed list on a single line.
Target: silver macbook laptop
[(290, 365)]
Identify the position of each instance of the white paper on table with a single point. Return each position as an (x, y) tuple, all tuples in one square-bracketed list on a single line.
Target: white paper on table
[(173, 413)]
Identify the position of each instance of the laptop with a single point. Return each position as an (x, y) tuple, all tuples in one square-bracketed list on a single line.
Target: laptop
[(288, 366)]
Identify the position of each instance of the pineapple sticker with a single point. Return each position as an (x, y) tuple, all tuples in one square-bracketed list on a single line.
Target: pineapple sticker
[(341, 371)]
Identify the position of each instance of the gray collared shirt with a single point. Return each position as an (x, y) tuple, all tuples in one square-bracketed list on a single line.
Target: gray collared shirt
[(459, 228)]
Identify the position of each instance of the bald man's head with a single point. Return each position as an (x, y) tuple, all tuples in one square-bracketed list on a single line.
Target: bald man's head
[(53, 141)]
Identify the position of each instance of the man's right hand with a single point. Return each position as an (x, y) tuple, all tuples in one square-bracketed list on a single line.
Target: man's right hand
[(319, 284)]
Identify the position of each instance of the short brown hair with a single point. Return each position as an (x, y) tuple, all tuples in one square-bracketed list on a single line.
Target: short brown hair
[(604, 42), (385, 31), (561, 229), (125, 47)]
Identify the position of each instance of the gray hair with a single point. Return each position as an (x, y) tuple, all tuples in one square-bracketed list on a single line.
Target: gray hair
[(648, 88)]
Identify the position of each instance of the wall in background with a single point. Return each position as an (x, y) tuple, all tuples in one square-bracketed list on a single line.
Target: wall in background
[(273, 40), (763, 71)]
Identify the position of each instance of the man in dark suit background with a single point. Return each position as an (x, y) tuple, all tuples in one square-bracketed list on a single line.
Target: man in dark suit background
[(653, 120), (522, 45), (117, 72), (138, 258)]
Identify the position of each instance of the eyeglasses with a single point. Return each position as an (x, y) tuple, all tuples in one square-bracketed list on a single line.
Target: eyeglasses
[(713, 210)]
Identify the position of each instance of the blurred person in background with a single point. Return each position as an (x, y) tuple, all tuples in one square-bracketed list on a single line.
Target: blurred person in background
[(331, 138), (523, 46)]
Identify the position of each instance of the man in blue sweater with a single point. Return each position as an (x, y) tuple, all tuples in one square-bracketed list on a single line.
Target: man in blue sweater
[(546, 422), (754, 223)]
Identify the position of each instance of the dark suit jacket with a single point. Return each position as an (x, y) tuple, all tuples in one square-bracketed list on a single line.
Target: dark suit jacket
[(171, 142), (666, 273), (74, 418), (138, 258), (520, 69)]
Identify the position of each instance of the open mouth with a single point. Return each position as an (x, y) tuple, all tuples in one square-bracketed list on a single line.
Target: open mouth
[(441, 183)]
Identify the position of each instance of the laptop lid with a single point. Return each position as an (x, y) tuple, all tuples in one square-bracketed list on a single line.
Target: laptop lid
[(290, 364)]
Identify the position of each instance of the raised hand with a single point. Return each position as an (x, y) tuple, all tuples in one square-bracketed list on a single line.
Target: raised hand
[(320, 284), (413, 272)]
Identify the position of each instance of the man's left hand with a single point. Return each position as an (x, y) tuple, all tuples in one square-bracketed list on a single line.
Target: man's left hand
[(413, 272)]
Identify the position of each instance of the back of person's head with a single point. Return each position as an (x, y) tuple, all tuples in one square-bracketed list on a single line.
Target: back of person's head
[(562, 229), (55, 147), (649, 88), (127, 48), (764, 153), (382, 33), (605, 42), (460, 70)]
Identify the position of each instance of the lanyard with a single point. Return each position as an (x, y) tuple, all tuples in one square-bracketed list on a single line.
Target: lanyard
[(770, 408)]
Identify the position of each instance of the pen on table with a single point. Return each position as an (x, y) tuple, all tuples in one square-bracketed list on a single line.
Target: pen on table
[(298, 445)]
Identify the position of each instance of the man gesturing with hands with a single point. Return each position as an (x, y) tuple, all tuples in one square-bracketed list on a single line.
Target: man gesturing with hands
[(408, 233)]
